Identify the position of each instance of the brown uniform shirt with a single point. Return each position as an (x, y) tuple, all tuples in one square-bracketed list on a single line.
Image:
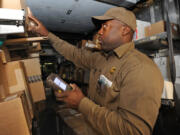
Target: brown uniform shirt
[(130, 106)]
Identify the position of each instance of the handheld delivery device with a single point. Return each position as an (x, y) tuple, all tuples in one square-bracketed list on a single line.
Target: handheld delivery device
[(57, 83)]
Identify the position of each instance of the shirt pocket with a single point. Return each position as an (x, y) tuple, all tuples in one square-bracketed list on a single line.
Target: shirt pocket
[(112, 94)]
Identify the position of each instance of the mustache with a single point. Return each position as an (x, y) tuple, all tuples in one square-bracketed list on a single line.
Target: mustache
[(98, 39)]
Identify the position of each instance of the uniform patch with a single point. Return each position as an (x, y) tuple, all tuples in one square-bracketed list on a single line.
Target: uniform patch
[(112, 70)]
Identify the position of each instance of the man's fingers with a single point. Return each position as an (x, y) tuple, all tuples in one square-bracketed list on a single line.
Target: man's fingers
[(32, 18), (60, 99), (74, 86), (29, 12), (62, 94), (32, 28), (71, 85), (68, 106)]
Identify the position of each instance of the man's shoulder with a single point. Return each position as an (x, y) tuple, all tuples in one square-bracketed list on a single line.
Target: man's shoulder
[(137, 59), (140, 57)]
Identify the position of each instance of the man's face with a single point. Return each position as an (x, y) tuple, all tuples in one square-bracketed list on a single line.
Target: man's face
[(110, 35)]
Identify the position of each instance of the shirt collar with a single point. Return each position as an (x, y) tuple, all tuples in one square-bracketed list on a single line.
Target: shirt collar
[(123, 49)]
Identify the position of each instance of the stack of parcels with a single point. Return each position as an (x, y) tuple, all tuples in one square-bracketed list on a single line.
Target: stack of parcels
[(160, 27), (22, 79), (146, 29), (15, 115), (140, 29)]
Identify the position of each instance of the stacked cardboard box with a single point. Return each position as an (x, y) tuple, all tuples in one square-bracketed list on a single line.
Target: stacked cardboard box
[(12, 81), (160, 27), (14, 115), (155, 28), (21, 86), (20, 76), (33, 77), (140, 30)]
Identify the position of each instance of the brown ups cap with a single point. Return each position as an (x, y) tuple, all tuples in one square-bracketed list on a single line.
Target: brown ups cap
[(121, 14)]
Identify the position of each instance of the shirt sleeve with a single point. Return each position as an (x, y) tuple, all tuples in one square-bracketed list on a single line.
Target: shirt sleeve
[(105, 121), (80, 57)]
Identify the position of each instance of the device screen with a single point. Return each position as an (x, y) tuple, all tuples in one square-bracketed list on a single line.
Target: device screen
[(60, 83)]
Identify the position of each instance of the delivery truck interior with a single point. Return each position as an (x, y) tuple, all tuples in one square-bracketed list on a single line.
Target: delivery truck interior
[(31, 70)]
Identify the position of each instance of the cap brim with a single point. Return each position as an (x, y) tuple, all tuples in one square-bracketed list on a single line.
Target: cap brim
[(98, 20), (102, 18)]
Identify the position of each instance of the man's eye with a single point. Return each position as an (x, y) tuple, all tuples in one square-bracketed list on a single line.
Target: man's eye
[(104, 25)]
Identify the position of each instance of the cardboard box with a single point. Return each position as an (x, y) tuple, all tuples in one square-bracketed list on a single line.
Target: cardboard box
[(155, 28), (12, 81), (12, 4), (33, 76), (14, 117), (140, 32), (160, 27), (13, 74)]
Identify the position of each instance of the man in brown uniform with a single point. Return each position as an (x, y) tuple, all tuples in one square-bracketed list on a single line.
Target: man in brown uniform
[(125, 86)]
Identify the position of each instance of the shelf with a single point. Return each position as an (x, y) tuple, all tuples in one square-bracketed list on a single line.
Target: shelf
[(156, 42), (121, 3), (152, 43), (24, 40)]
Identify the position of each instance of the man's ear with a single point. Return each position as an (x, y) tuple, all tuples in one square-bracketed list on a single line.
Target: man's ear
[(126, 30)]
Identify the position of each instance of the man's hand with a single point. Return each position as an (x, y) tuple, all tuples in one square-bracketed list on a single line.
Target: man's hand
[(38, 28), (71, 98)]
